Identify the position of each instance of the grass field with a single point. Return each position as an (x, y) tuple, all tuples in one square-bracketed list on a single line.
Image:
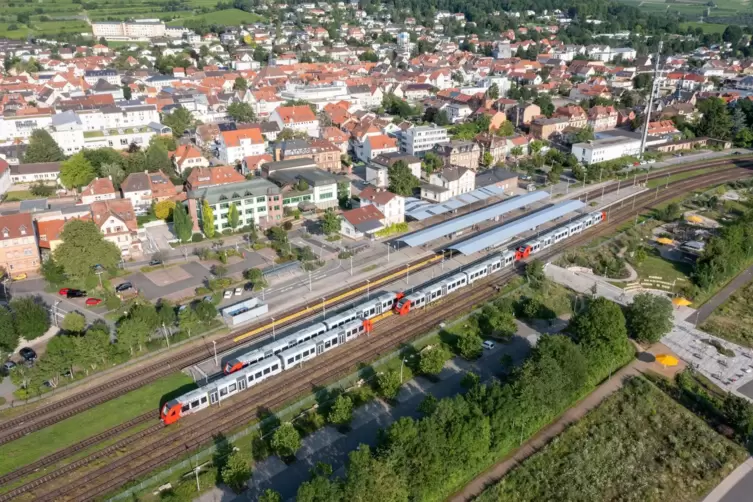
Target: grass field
[(17, 195), (227, 17), (733, 319), (691, 7), (678, 177), (706, 27), (638, 445), (656, 266), (93, 421)]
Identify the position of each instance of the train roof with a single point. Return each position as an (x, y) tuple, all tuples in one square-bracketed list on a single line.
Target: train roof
[(505, 233), (456, 224)]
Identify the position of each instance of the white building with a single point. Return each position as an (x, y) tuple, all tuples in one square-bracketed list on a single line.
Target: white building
[(13, 127), (419, 140), (91, 77), (5, 182), (298, 118), (142, 29), (391, 205), (601, 150), (234, 146), (318, 95), (448, 183)]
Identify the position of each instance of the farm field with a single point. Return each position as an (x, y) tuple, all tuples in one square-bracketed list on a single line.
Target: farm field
[(663, 450), (228, 17), (692, 7), (706, 27)]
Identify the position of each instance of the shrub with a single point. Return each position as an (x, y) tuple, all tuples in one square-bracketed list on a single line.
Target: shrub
[(287, 225), (227, 231), (197, 237)]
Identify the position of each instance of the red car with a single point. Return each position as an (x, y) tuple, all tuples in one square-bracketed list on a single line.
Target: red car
[(93, 301), (64, 292)]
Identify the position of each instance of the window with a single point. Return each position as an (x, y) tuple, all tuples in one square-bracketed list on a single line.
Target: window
[(260, 199), (232, 387), (223, 392), (204, 400)]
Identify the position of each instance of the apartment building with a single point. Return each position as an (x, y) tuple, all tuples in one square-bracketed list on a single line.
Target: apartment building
[(187, 157), (602, 118), (302, 182), (297, 118), (326, 155), (377, 171), (236, 145), (459, 153), (15, 125), (19, 253), (447, 183), (419, 140), (137, 30), (258, 201), (601, 150), (213, 176), (32, 173)]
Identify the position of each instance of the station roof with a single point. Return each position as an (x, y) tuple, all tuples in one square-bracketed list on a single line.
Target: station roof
[(420, 209), (466, 221), (507, 232)]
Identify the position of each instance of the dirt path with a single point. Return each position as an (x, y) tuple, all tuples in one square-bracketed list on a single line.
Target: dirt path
[(498, 471)]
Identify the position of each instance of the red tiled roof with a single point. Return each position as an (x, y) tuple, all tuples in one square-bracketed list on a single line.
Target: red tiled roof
[(233, 138), (16, 225), (377, 196), (295, 114), (218, 175), (99, 186), (363, 214)]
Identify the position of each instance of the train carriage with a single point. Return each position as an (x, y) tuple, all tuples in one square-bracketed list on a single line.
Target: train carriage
[(299, 354), (342, 318)]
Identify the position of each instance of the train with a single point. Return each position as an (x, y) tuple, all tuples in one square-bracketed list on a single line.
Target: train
[(257, 365)]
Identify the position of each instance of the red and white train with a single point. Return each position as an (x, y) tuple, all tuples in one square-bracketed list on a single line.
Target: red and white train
[(280, 355)]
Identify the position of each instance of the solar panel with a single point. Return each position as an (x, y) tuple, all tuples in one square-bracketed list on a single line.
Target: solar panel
[(500, 235)]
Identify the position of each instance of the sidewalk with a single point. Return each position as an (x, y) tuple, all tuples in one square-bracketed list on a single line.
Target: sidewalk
[(737, 487)]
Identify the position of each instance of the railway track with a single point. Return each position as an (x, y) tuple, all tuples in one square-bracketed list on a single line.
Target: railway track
[(146, 452), (56, 411)]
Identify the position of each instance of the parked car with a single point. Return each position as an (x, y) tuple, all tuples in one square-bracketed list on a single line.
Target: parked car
[(19, 277), (238, 291), (91, 302), (64, 291), (154, 262), (488, 344), (8, 365), (228, 294), (75, 293), (28, 354), (249, 286), (123, 286)]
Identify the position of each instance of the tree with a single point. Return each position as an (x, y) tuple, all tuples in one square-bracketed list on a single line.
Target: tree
[(493, 92), (60, 355), (240, 84), (535, 272), (716, 121), (178, 120), (320, 488), (52, 272), (233, 218), (389, 383), (158, 159), (74, 322), (330, 222), (516, 151), (8, 332), (42, 148), (241, 112), (432, 361), (732, 34), (744, 138), (649, 317), (188, 320), (599, 324), (182, 223), (495, 320), (207, 219), (219, 271), (76, 172), (92, 349), (286, 440), (506, 129), (469, 345), (113, 171), (487, 159), (544, 101), (401, 179), (30, 317), (236, 472), (166, 312), (371, 479), (432, 162), (164, 208), (270, 495), (83, 247), (206, 311), (584, 134), (341, 411), (127, 94)]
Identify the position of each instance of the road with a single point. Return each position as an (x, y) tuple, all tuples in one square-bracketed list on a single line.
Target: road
[(720, 297)]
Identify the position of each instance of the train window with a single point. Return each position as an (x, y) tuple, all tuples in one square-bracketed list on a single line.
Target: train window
[(195, 404), (250, 378), (223, 392), (297, 357), (204, 400), (232, 387), (267, 371), (184, 408), (290, 360), (257, 374), (275, 367), (334, 342)]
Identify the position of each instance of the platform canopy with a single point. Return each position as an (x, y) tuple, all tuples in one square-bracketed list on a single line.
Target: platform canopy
[(505, 233), (449, 227)]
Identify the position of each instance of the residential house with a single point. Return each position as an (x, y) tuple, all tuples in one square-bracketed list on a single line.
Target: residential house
[(459, 153), (377, 170), (213, 176), (19, 253), (447, 183), (99, 189), (116, 219), (336, 137), (187, 157), (544, 128), (252, 164), (32, 173), (360, 222), (298, 118), (144, 188), (523, 113), (378, 145), (391, 205), (602, 118), (235, 145)]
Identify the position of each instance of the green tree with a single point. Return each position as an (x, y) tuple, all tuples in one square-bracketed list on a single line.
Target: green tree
[(432, 361), (236, 472), (83, 246), (716, 121), (133, 333), (8, 332), (166, 312), (182, 223), (494, 320), (341, 411), (535, 273), (432, 162), (240, 84), (207, 219), (76, 172), (74, 322), (370, 479), (53, 272), (270, 495), (330, 222), (469, 345), (178, 120), (256, 276), (389, 383), (113, 171), (60, 355), (158, 159), (30, 317), (649, 317), (599, 324), (493, 92), (516, 151), (584, 134), (93, 349), (241, 112), (744, 138), (188, 321), (320, 488), (732, 34), (401, 179), (286, 440), (127, 94), (487, 160), (206, 311), (506, 129), (233, 218), (42, 148)]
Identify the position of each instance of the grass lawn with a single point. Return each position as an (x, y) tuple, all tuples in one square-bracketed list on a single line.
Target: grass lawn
[(93, 421), (229, 17), (18, 195), (656, 266), (706, 27), (733, 319), (638, 445)]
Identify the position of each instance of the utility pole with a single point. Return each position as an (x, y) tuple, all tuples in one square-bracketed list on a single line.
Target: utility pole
[(654, 90)]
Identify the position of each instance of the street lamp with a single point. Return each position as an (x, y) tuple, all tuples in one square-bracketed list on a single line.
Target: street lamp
[(273, 328), (214, 344), (367, 288), (324, 309)]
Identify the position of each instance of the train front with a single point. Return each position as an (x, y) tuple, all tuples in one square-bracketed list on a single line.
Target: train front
[(170, 412)]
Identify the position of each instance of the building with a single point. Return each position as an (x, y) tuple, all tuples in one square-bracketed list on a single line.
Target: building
[(360, 222), (499, 177), (448, 183), (187, 157), (601, 150), (116, 219), (459, 153), (19, 253), (99, 189), (91, 77), (258, 202), (298, 118), (5, 181), (144, 188), (32, 173), (419, 140), (523, 113), (377, 145), (125, 31), (602, 118), (377, 170), (326, 155), (212, 176), (392, 206), (236, 145), (302, 183), (544, 128)]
